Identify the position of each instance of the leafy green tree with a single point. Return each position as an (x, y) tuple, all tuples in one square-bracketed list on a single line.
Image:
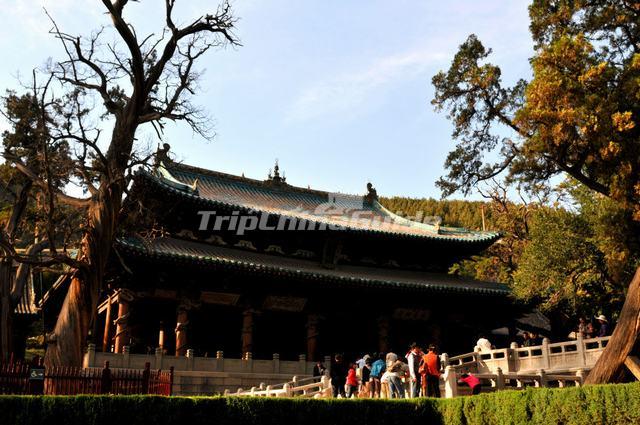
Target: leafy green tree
[(577, 116), (563, 270), (27, 217)]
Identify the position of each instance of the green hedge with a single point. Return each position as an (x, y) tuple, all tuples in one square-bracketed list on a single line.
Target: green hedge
[(607, 404)]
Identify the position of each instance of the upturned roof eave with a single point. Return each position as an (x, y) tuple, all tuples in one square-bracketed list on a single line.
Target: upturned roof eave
[(487, 238), (256, 267)]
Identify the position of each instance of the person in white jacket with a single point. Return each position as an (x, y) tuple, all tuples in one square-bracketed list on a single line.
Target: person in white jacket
[(414, 356)]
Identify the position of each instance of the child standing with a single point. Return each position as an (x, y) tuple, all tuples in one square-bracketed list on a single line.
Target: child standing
[(352, 381)]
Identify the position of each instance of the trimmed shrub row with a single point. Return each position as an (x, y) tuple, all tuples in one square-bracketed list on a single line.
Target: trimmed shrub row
[(605, 404)]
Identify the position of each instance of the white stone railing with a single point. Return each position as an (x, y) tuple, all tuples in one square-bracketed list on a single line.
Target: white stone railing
[(568, 356), (209, 375), (219, 363), (316, 387), (499, 379)]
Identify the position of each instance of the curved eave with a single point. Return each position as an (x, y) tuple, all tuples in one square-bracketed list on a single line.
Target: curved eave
[(485, 239), (179, 258)]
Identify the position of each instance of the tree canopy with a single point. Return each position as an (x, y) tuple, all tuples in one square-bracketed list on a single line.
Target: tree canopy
[(577, 117)]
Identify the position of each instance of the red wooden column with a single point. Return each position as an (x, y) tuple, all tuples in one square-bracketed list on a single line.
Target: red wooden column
[(122, 337), (181, 331), (313, 321), (384, 328), (247, 330), (106, 336), (161, 336)]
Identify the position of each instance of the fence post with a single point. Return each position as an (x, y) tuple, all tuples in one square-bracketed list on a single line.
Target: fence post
[(542, 376), (444, 359), (125, 357), (190, 358), (276, 363), (326, 385), (90, 358), (159, 353), (105, 382), (268, 390), (171, 381), (287, 390), (499, 379), (220, 361), (580, 346), (450, 382), (248, 361), (145, 378), (513, 357), (302, 364), (545, 353), (327, 364), (580, 376)]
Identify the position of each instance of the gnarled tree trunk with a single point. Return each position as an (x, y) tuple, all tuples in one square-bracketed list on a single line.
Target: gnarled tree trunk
[(609, 366), (66, 344), (6, 310)]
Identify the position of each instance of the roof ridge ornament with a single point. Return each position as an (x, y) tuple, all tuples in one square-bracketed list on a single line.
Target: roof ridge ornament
[(163, 173), (162, 155), (372, 194), (275, 178)]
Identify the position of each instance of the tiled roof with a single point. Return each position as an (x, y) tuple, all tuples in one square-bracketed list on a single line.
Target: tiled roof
[(347, 211), (167, 249)]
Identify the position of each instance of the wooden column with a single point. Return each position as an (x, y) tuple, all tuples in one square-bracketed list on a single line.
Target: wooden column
[(161, 336), (106, 337), (313, 321), (122, 337), (181, 331), (247, 331), (384, 328)]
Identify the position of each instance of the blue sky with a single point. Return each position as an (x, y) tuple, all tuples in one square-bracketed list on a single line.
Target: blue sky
[(338, 91)]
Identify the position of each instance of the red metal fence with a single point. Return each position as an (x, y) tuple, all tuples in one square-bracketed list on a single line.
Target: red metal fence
[(23, 379), (14, 378)]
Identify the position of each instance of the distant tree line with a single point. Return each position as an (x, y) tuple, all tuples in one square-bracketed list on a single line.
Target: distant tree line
[(569, 257)]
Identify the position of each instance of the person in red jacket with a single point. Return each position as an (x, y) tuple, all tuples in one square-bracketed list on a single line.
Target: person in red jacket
[(472, 382), (430, 369), (352, 380)]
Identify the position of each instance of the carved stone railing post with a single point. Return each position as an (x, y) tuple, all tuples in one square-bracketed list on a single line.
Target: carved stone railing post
[(90, 358), (287, 390), (126, 359), (513, 357), (159, 355), (545, 353), (542, 379), (450, 382), (302, 364), (580, 375), (499, 379), (190, 358), (219, 361), (247, 362), (444, 359), (327, 364), (326, 386), (581, 350)]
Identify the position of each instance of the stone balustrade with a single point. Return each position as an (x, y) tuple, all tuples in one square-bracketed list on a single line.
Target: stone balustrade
[(568, 356), (208, 375)]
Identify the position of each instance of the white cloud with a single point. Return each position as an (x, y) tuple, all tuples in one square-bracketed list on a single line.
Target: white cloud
[(349, 91)]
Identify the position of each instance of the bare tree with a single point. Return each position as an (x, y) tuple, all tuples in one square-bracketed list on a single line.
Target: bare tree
[(149, 81)]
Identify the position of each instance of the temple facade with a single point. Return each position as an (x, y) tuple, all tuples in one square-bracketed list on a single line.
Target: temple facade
[(215, 262)]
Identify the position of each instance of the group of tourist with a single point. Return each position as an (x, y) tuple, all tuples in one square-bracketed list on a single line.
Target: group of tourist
[(388, 375), (587, 329)]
